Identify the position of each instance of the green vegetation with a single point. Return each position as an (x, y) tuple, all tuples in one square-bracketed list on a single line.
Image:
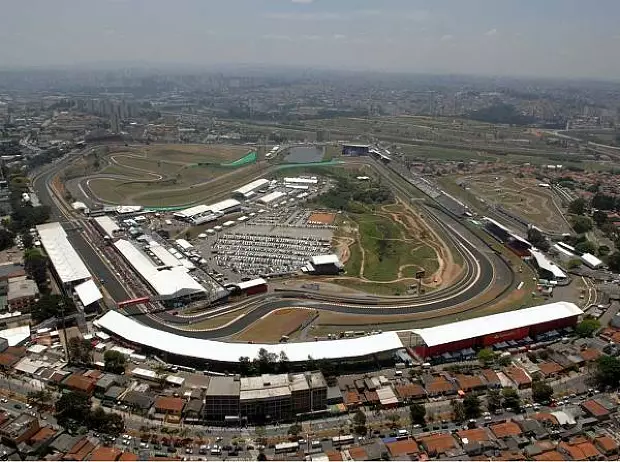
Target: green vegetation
[(471, 404), (607, 371), (114, 361), (501, 114), (352, 195), (417, 413), (577, 207), (49, 305), (80, 351), (73, 411), (486, 356), (541, 391), (587, 327), (581, 224), (359, 421), (511, 399)]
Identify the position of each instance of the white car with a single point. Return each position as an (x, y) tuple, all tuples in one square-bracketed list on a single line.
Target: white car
[(488, 417)]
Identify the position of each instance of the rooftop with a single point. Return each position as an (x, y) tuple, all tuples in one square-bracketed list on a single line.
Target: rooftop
[(485, 325), (403, 448), (66, 261), (21, 287), (438, 443), (474, 434), (223, 386), (88, 292), (594, 408), (104, 453), (169, 404), (505, 429)]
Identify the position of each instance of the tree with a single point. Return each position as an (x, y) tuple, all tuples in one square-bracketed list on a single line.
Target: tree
[(587, 327), (603, 251), (486, 356), (108, 423), (27, 240), (458, 410), (581, 224), (394, 420), (607, 371), (50, 306), (359, 421), (613, 261), (161, 371), (80, 350), (600, 218), (6, 239), (266, 361), (537, 239), (494, 400), (39, 398), (585, 247), (471, 405), (114, 361), (295, 429), (573, 263), (283, 363), (72, 409), (35, 265), (578, 206), (511, 399), (418, 414), (505, 361), (541, 391)]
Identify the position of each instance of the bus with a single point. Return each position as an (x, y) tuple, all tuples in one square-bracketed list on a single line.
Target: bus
[(283, 448), (342, 440)]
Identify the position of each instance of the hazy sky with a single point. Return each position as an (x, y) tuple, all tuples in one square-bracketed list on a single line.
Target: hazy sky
[(569, 38)]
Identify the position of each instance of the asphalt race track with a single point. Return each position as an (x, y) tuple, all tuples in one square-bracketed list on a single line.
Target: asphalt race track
[(483, 269)]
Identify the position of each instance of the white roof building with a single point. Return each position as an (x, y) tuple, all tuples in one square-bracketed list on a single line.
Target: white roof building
[(544, 263), (300, 180), (184, 244), (88, 292), (331, 259), (272, 196), (591, 261), (134, 332), (107, 225), (563, 251), (251, 187), (192, 212), (169, 283), (66, 261), (501, 322), (224, 206)]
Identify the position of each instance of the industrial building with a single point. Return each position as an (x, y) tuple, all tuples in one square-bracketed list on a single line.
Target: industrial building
[(69, 269), (168, 283), (546, 268), (219, 208), (107, 227), (89, 295), (252, 287), (487, 331), (591, 261), (271, 197), (248, 190), (324, 264), (300, 181)]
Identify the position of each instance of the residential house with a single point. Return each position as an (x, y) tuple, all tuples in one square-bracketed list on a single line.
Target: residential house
[(20, 429)]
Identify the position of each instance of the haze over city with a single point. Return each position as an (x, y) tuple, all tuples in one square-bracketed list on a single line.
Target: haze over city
[(550, 39)]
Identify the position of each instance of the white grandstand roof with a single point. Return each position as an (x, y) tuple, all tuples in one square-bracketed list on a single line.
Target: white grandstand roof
[(591, 260), (224, 205), (134, 332), (272, 196), (184, 244), (108, 225), (254, 185), (498, 224), (563, 251), (252, 283), (66, 261), (300, 180), (543, 262), (88, 292), (192, 211), (500, 322), (163, 254), (167, 283)]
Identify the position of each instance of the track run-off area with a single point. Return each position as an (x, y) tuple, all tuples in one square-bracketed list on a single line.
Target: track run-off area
[(485, 279)]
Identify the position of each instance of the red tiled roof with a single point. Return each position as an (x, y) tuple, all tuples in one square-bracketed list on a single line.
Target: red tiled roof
[(80, 450), (128, 456), (410, 390), (579, 449), (474, 434), (79, 382), (438, 443), (491, 377), (590, 354), (358, 453), (550, 368), (439, 384), (594, 408), (505, 429), (469, 382), (546, 417), (42, 435), (7, 360), (333, 455), (402, 448), (169, 404), (352, 397), (606, 443), (517, 375), (104, 453), (511, 455), (371, 396), (549, 455)]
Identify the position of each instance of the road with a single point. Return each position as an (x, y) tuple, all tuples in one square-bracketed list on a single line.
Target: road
[(483, 270)]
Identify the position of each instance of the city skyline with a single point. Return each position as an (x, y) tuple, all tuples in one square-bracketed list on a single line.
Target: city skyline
[(554, 39)]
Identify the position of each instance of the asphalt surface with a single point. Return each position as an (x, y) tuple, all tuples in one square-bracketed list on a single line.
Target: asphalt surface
[(482, 269)]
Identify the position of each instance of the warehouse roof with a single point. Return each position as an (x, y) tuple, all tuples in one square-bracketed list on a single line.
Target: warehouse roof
[(591, 260), (192, 211), (253, 283), (500, 322), (544, 263), (224, 205), (88, 292), (243, 190), (563, 250), (331, 259), (108, 225), (163, 254), (168, 283), (272, 196), (63, 256), (131, 330)]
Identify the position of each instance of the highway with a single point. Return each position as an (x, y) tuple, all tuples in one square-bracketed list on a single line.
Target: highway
[(483, 269)]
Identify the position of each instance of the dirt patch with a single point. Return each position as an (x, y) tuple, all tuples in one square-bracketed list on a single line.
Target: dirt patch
[(321, 218), (272, 327)]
